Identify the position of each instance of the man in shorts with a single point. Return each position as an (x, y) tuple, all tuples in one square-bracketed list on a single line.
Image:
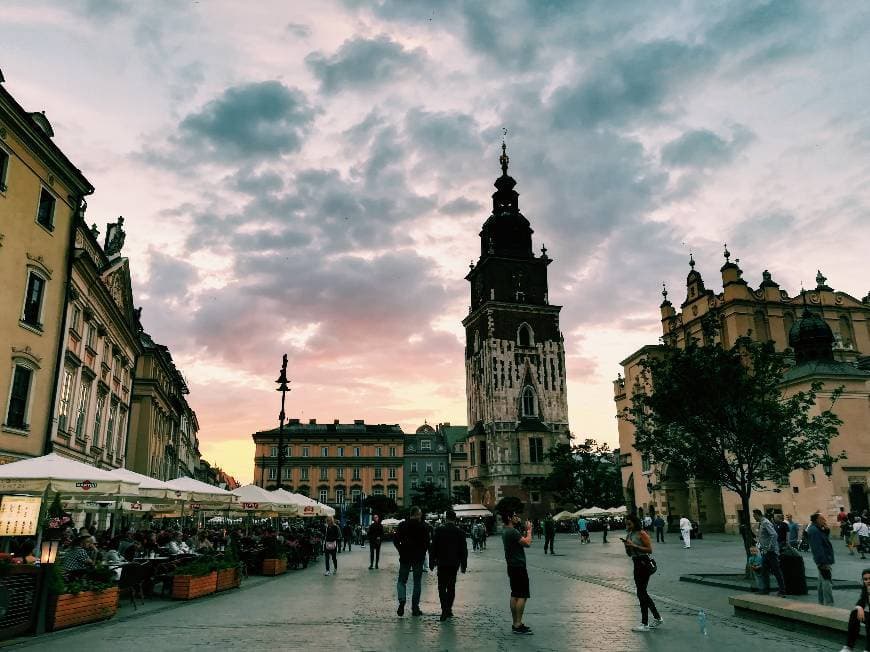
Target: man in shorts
[(516, 537)]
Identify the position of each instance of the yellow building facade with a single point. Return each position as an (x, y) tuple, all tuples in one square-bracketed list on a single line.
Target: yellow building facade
[(40, 194), (333, 462), (766, 313)]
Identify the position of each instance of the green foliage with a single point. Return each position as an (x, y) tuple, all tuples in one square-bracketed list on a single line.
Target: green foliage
[(273, 549), (196, 567), (720, 415), (509, 505), (94, 579), (584, 475), (431, 499), (383, 505), (461, 495)]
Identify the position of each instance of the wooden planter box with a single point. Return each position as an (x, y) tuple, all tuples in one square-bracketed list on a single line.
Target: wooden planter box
[(228, 578), (188, 587), (274, 566), (69, 610)]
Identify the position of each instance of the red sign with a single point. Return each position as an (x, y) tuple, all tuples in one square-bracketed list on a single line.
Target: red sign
[(195, 506), (136, 506), (85, 485), (308, 509), (250, 505)]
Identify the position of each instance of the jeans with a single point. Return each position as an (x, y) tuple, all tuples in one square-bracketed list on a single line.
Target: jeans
[(447, 587), (826, 593), (405, 567), (855, 631), (374, 552), (548, 542), (641, 581), (327, 554), (660, 534), (770, 564)]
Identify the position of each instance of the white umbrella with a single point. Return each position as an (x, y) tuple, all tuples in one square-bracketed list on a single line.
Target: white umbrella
[(391, 521), (200, 492), (617, 511), (592, 512), (254, 498), (152, 487), (308, 506), (563, 516), (471, 511), (55, 473)]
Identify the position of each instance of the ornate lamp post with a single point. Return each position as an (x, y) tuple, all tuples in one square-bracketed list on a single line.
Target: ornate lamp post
[(47, 557), (282, 387)]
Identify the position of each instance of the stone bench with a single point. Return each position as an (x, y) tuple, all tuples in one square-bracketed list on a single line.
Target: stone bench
[(833, 622)]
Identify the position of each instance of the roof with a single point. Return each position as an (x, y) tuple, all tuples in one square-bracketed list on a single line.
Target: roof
[(454, 434), (356, 429), (824, 368)]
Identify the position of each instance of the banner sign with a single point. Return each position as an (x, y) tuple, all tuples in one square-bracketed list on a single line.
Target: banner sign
[(250, 505), (308, 510), (19, 515), (86, 485)]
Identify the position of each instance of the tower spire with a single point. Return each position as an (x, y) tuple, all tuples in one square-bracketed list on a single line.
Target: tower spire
[(504, 159)]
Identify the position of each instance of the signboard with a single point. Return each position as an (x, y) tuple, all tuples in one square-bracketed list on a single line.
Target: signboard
[(250, 505), (195, 506), (308, 510), (19, 515), (86, 485)]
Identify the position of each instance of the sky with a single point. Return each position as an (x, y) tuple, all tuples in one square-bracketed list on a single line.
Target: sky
[(310, 178)]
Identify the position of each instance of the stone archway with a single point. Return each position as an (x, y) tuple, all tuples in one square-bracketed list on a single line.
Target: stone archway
[(674, 483)]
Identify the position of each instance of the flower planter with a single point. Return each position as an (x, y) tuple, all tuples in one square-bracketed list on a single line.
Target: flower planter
[(69, 610), (188, 587), (228, 578), (274, 566)]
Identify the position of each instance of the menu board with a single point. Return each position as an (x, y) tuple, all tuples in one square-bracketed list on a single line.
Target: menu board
[(19, 515)]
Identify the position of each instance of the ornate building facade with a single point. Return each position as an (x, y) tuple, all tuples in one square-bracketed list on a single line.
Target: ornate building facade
[(766, 313), (100, 352), (456, 439), (514, 358), (333, 462), (427, 460), (41, 192)]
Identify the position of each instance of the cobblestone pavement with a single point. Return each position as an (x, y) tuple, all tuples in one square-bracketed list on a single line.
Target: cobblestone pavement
[(582, 599)]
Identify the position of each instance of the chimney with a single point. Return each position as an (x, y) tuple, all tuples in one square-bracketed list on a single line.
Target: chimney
[(312, 422), (335, 422), (293, 422), (358, 422)]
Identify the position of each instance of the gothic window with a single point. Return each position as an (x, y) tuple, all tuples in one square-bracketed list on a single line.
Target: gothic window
[(530, 403), (525, 337), (536, 450)]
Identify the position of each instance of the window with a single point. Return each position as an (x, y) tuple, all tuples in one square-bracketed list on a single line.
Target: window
[(323, 495), (441, 467), (428, 467), (442, 482), (274, 451), (84, 399), (392, 451), (65, 397), (76, 321), (339, 495), (356, 451), (4, 168), (413, 484), (378, 492), (645, 463), (110, 427), (16, 415), (339, 473), (324, 451), (287, 472), (524, 335), (471, 451), (356, 473), (33, 299), (377, 451), (378, 473), (324, 473), (98, 417), (425, 445), (392, 473), (535, 496), (45, 213), (305, 451), (340, 451), (530, 408), (273, 473), (304, 473), (536, 450), (483, 453), (391, 493), (456, 475), (354, 495), (413, 467), (91, 340)]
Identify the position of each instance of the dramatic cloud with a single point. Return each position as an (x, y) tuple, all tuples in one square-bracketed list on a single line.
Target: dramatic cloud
[(702, 148)]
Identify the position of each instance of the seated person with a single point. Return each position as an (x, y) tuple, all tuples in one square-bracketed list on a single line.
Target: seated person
[(78, 558), (25, 552), (202, 543), (859, 615), (177, 546)]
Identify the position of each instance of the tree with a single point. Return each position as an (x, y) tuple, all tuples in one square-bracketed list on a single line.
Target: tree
[(721, 416), (509, 505), (584, 475), (431, 499), (382, 505), (461, 495)]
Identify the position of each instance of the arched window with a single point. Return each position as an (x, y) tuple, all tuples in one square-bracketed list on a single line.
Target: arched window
[(846, 331), (476, 341), (530, 402), (525, 337), (787, 323)]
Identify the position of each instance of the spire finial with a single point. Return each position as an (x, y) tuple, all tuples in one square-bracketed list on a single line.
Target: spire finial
[(543, 250), (821, 279), (504, 159), (691, 260), (727, 253), (665, 291)]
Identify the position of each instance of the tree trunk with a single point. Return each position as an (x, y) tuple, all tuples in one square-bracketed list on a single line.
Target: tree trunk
[(745, 528)]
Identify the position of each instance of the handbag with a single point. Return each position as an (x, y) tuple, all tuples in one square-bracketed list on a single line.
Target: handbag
[(648, 562), (330, 545)]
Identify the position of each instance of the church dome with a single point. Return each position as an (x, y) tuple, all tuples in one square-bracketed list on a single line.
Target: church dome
[(425, 429), (811, 338)]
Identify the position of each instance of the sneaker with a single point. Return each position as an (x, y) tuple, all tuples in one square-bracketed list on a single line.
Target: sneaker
[(335, 572), (327, 574), (416, 612), (522, 629), (371, 567), (641, 628), (444, 617), (846, 648), (656, 622)]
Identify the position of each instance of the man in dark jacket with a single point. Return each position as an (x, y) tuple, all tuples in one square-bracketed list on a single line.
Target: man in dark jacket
[(376, 535), (549, 533), (449, 553), (412, 542), (818, 534)]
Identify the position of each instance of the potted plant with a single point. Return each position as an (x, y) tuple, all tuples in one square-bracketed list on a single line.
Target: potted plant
[(274, 557), (228, 575), (85, 599), (194, 579)]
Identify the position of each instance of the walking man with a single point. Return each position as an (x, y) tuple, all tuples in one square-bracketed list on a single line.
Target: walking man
[(549, 533), (347, 536), (819, 535), (375, 535), (449, 553), (686, 532), (659, 524), (412, 542), (582, 529), (516, 537), (769, 549)]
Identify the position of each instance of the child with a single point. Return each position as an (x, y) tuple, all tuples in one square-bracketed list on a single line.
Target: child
[(754, 563)]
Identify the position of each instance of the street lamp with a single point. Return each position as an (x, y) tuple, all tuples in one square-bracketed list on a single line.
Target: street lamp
[(282, 387), (47, 557)]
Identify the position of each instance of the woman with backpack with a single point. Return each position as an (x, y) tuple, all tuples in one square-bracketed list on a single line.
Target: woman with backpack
[(638, 547)]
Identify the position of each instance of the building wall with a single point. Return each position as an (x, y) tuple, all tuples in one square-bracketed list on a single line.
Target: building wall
[(27, 247), (340, 469), (424, 450)]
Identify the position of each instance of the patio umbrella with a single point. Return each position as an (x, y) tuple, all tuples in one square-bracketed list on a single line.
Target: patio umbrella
[(254, 498), (52, 472), (200, 492), (564, 516), (618, 511), (591, 512), (152, 488), (308, 506)]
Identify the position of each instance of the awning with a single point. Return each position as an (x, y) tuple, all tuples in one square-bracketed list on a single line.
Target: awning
[(60, 474)]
